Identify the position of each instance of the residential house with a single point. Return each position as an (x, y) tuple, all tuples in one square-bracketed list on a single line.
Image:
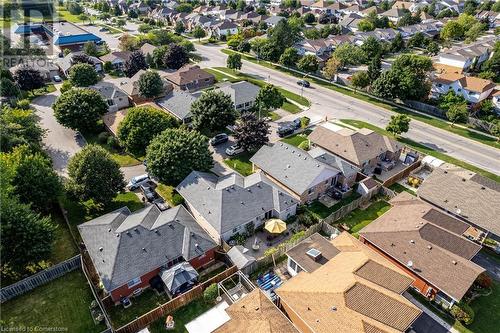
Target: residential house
[(345, 287), (161, 14), (465, 195), (493, 18), (394, 14), (139, 7), (178, 104), (273, 20), (364, 148), (147, 49), (317, 47), (47, 69), (66, 63), (116, 58), (233, 204), (368, 10), (131, 87), (428, 244), (116, 98), (243, 94), (348, 172), (131, 250), (473, 89), (297, 171), (113, 119), (466, 58), (351, 22), (190, 78), (495, 98), (255, 313), (411, 6), (224, 28)]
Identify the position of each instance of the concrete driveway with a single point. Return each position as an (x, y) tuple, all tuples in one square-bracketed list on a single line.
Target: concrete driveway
[(60, 142), (489, 264)]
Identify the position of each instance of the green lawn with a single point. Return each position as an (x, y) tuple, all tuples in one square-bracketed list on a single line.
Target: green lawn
[(120, 156), (421, 117), (360, 218), (240, 163), (182, 316), (400, 188), (168, 193), (82, 212), (487, 311), (220, 77), (49, 88), (423, 149), (64, 245), (322, 212), (62, 303), (296, 139), (141, 304), (290, 107)]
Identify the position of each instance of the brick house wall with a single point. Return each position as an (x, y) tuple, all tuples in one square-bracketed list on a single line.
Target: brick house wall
[(419, 283)]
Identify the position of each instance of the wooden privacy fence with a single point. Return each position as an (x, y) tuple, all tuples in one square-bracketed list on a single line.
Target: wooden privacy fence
[(402, 174), (172, 305), (39, 279)]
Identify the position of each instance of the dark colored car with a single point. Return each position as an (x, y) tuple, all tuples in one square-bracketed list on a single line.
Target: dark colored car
[(149, 193), (285, 130), (218, 139), (304, 83), (296, 123)]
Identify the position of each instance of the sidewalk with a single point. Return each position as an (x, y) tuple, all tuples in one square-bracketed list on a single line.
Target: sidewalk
[(431, 314)]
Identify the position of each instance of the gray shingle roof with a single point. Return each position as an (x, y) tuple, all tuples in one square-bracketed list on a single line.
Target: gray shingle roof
[(323, 156), (108, 90), (292, 167), (241, 92), (178, 103), (232, 200), (125, 245)]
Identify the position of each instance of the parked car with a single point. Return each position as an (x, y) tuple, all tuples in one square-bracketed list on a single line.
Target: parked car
[(137, 181), (148, 192), (297, 123), (218, 139), (304, 83), (285, 130), (57, 78), (103, 29), (234, 150), (161, 204)]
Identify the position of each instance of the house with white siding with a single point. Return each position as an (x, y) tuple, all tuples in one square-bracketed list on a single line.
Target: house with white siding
[(473, 89)]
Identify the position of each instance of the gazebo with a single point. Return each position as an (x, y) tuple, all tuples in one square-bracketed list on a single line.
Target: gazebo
[(179, 278)]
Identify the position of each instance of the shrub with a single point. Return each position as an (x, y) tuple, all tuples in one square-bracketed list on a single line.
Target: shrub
[(297, 236), (463, 313), (177, 199), (23, 104), (66, 86), (113, 142), (270, 251), (304, 145), (103, 137), (307, 219), (304, 122), (211, 293), (484, 281)]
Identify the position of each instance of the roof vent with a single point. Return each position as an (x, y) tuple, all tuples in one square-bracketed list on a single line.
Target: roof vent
[(100, 249), (135, 229), (305, 158), (208, 187), (156, 231), (314, 254), (429, 247), (288, 166), (483, 188), (293, 151), (459, 211), (392, 244), (334, 308), (197, 245), (454, 262), (445, 171), (144, 249), (409, 263), (463, 179), (242, 202), (412, 241), (109, 230), (249, 190)]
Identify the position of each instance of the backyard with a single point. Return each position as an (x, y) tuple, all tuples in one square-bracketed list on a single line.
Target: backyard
[(240, 163), (297, 139), (62, 303), (321, 211), (360, 218)]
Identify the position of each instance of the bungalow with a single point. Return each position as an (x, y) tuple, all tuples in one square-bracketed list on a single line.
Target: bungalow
[(344, 286), (130, 251), (273, 20), (66, 63), (473, 89), (297, 171), (428, 245), (116, 98), (363, 148), (131, 87), (178, 104), (317, 47), (47, 69), (394, 14), (116, 58), (190, 78), (351, 22), (243, 94), (233, 204), (465, 195), (147, 49), (224, 28), (348, 172)]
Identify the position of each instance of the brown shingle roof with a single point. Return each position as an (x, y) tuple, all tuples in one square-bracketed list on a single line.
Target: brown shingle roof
[(384, 277), (446, 221), (476, 84), (477, 203), (381, 307), (353, 146), (315, 241), (188, 74), (325, 302), (255, 313), (437, 255)]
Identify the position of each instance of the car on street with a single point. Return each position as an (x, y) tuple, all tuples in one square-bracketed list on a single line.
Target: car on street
[(285, 130), (219, 139), (304, 83), (148, 192), (57, 78), (103, 29), (234, 150), (137, 181)]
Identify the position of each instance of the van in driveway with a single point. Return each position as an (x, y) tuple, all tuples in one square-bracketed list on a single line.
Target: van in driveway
[(137, 181)]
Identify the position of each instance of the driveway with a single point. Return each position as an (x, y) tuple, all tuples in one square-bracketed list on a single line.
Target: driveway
[(59, 141), (219, 154), (491, 265), (425, 324)]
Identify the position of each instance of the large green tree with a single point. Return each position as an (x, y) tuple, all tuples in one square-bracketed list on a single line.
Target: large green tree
[(141, 125), (349, 55), (457, 113), (135, 63), (175, 57), (150, 84), (80, 109), (289, 57), (234, 61), (28, 78), (308, 63), (212, 112), (83, 75), (251, 132), (94, 175), (269, 98), (399, 124), (174, 153), (19, 127)]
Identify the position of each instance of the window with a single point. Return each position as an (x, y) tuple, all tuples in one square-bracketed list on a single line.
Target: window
[(134, 282), (110, 102)]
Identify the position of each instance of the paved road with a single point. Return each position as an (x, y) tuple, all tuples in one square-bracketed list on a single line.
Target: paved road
[(488, 263), (331, 104)]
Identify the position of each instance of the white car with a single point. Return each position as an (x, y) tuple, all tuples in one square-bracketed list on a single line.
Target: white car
[(234, 150), (57, 78), (137, 181)]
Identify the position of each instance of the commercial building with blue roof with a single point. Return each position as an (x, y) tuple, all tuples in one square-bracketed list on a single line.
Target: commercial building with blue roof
[(62, 34)]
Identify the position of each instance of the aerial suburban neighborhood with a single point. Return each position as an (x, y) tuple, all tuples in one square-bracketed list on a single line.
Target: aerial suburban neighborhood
[(256, 166)]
